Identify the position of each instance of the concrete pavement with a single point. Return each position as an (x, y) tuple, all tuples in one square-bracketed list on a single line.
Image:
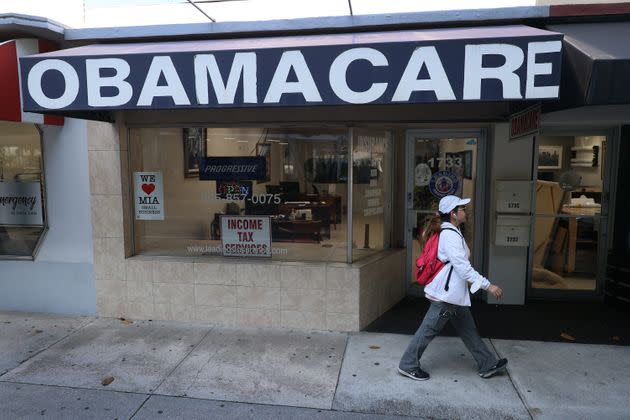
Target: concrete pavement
[(54, 367), (369, 383)]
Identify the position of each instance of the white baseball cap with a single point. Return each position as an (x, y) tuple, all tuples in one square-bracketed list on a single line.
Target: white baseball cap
[(449, 202)]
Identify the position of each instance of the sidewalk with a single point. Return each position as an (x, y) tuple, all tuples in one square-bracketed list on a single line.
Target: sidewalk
[(54, 367)]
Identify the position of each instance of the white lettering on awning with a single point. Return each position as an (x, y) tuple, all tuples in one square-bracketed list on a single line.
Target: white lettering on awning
[(70, 77), (162, 65), (534, 69), (475, 72), (244, 64), (338, 77), (304, 85), (437, 81), (95, 82)]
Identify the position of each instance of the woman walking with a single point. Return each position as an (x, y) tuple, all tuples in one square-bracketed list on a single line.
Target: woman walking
[(450, 297)]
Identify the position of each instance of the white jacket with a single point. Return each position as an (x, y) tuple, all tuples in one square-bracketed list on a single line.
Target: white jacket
[(452, 247)]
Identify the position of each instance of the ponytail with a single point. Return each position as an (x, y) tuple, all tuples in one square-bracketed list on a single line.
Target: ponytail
[(432, 224)]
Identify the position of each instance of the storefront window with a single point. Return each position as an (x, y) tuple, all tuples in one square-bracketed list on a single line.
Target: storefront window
[(22, 216), (372, 155), (303, 189), (568, 218)]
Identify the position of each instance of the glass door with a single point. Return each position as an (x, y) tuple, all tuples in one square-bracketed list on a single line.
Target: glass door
[(439, 164), (570, 218)]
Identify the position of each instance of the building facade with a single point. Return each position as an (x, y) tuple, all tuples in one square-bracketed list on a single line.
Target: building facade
[(280, 178)]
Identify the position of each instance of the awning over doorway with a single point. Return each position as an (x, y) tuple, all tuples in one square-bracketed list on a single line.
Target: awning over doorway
[(10, 98), (481, 64), (596, 63)]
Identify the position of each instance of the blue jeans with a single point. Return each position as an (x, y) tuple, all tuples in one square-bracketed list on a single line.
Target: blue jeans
[(437, 316)]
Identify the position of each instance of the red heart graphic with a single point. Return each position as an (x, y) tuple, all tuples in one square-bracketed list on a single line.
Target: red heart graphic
[(148, 188)]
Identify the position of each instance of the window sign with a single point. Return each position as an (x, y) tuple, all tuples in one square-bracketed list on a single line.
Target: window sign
[(234, 190), (246, 236), (444, 183), (368, 155), (149, 195), (21, 203), (233, 168), (526, 122)]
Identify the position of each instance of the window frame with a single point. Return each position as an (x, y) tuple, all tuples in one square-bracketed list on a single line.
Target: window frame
[(612, 135), (350, 130), (42, 235)]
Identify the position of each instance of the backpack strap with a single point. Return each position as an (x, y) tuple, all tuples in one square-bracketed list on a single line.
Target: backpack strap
[(450, 271), (454, 230), (448, 279)]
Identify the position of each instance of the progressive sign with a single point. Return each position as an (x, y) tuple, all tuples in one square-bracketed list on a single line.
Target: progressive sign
[(515, 63)]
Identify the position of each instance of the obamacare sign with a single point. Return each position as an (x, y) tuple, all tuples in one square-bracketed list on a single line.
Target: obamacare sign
[(448, 65)]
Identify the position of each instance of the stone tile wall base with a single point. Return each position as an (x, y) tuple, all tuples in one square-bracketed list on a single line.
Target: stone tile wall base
[(382, 286), (301, 296)]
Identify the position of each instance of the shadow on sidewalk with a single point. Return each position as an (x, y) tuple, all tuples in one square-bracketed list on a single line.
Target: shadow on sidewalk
[(589, 323)]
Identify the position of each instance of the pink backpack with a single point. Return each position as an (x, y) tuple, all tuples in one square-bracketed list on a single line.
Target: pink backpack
[(428, 264)]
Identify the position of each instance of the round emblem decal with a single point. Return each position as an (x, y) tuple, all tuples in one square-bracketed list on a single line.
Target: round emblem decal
[(422, 175), (443, 183)]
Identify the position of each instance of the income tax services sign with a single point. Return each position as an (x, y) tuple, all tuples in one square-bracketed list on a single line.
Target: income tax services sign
[(500, 63), (246, 236)]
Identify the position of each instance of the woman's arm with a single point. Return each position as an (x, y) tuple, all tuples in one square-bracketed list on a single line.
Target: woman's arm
[(454, 249)]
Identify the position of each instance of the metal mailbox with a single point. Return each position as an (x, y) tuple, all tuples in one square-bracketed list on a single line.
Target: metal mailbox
[(513, 196), (512, 231)]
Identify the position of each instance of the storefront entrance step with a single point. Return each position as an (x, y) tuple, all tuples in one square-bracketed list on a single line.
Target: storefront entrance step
[(265, 366), (22, 401), (23, 335), (570, 381), (587, 322), (138, 355), (369, 382)]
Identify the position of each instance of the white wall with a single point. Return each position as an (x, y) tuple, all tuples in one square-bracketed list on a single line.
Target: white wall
[(61, 278), (507, 266), (69, 237)]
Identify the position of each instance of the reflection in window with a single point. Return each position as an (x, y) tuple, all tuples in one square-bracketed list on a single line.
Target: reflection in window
[(22, 218), (371, 191)]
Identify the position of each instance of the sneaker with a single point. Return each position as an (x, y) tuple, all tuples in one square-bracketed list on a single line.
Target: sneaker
[(500, 366), (415, 374)]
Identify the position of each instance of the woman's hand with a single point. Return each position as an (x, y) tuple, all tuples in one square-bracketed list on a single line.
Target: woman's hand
[(495, 291)]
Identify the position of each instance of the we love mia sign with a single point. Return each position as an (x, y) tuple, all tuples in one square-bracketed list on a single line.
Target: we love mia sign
[(149, 195)]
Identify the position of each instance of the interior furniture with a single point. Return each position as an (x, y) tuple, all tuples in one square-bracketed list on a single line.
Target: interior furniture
[(283, 230), (549, 199), (573, 232), (325, 211), (320, 210)]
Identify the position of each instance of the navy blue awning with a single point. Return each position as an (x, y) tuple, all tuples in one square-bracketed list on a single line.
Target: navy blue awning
[(481, 64), (596, 63)]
